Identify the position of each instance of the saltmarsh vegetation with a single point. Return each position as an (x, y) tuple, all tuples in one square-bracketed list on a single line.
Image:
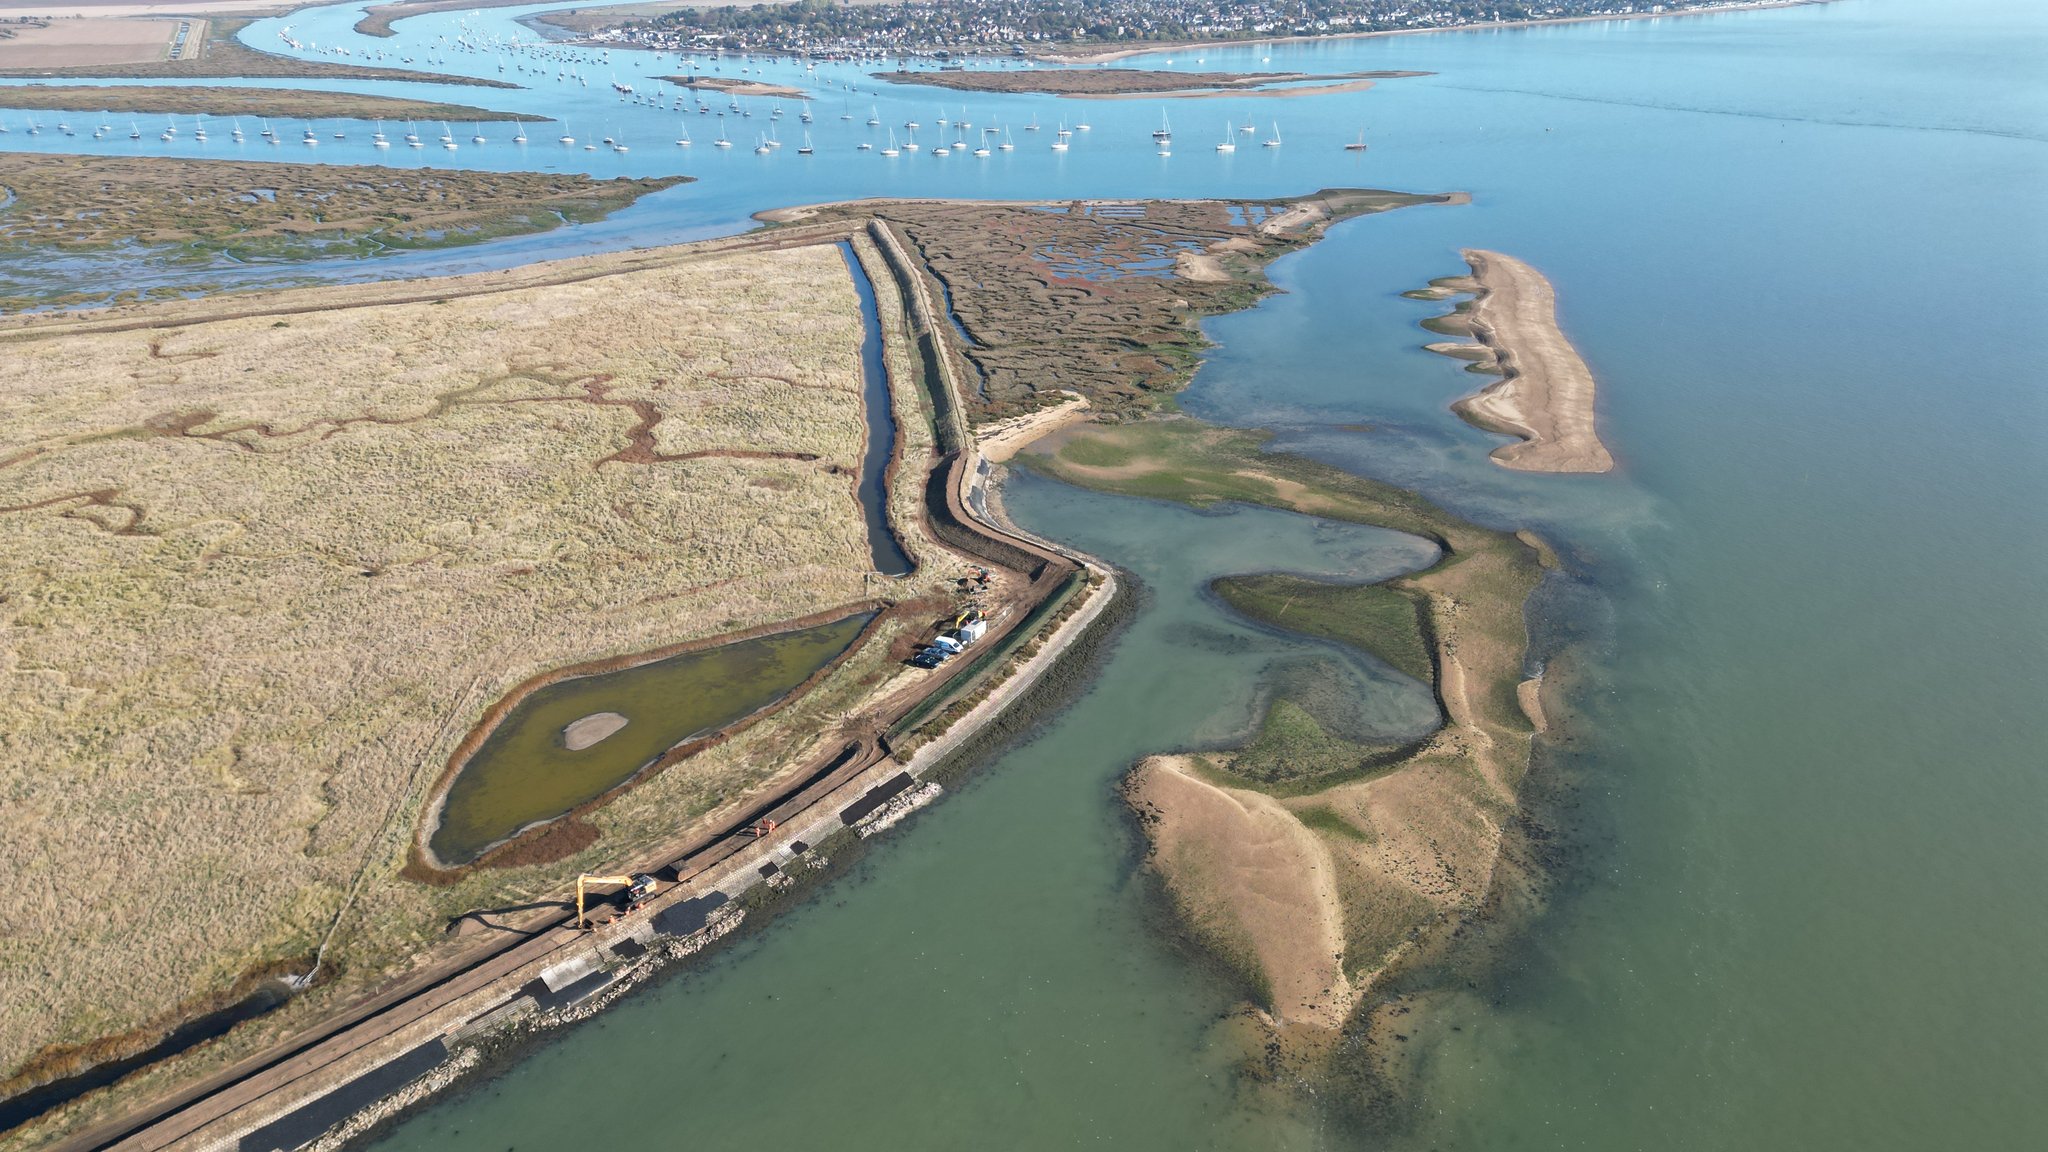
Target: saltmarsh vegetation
[(267, 559), (206, 209)]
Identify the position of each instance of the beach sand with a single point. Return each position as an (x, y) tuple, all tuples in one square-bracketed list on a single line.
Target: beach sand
[(1545, 393)]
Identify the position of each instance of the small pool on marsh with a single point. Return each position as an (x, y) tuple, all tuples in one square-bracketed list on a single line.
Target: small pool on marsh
[(525, 773)]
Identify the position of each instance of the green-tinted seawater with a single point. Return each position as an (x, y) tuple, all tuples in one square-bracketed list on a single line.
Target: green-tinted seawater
[(524, 772)]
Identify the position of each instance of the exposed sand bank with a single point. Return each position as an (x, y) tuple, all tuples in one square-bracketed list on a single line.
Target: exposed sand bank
[(1250, 878), (734, 86), (591, 730), (1005, 438), (1545, 393)]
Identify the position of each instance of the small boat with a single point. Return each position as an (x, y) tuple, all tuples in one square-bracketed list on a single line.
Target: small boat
[(1357, 145), (1227, 144), (1164, 132), (478, 138), (1033, 126), (683, 141), (721, 142), (942, 150), (1247, 127), (1007, 145), (892, 151), (805, 148), (875, 117)]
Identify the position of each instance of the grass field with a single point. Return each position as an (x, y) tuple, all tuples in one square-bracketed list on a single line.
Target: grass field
[(263, 572)]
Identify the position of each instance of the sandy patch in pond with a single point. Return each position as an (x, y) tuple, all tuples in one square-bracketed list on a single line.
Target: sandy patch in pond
[(591, 729)]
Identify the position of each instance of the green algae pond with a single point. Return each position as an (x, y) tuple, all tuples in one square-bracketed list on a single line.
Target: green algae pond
[(529, 770)]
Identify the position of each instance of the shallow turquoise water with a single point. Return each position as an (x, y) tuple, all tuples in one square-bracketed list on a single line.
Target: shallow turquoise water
[(1802, 250)]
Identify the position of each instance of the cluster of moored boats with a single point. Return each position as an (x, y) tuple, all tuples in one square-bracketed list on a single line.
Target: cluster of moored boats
[(309, 136)]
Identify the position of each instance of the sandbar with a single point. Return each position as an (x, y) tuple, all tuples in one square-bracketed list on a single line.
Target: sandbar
[(1545, 391)]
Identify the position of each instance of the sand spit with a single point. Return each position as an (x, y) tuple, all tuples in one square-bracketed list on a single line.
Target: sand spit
[(1545, 393)]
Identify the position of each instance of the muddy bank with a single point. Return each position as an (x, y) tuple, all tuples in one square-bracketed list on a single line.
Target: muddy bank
[(1545, 391), (1106, 82)]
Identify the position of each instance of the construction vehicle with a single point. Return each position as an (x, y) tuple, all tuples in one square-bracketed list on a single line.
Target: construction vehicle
[(639, 886)]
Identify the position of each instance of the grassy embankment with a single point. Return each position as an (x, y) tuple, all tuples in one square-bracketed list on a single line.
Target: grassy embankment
[(270, 559), (280, 104), (223, 56)]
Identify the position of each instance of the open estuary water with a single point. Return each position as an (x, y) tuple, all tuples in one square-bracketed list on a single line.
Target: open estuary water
[(1799, 902)]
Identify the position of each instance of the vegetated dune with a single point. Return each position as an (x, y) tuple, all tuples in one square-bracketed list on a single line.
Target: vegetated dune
[(263, 572), (1545, 393)]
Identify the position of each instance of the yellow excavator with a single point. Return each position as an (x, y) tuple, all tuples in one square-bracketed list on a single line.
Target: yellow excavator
[(639, 886)]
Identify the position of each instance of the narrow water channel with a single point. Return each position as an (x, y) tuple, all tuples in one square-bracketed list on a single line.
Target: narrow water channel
[(889, 557)]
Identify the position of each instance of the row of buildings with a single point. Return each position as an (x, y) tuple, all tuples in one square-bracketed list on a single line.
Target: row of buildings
[(946, 27)]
